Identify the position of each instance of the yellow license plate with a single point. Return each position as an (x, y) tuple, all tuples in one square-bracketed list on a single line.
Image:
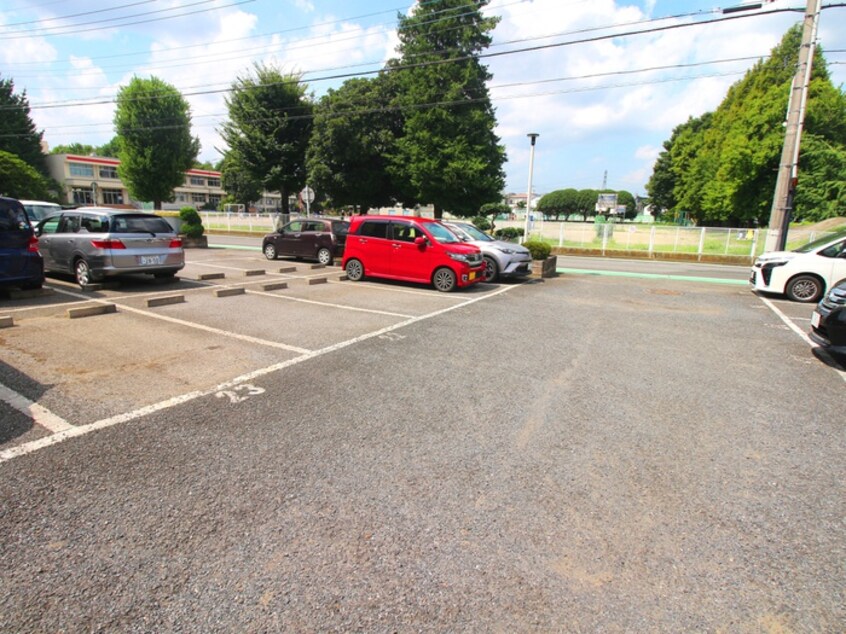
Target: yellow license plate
[(472, 275)]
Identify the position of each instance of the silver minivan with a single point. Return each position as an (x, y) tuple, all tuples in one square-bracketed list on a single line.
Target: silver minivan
[(96, 242)]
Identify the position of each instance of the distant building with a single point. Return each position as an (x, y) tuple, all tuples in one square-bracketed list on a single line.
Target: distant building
[(94, 180), (518, 201)]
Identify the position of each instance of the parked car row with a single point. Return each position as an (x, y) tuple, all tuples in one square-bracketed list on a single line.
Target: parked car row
[(90, 243), (447, 255)]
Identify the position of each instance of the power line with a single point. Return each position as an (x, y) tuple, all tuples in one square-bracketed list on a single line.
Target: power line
[(76, 15), (73, 30), (342, 76)]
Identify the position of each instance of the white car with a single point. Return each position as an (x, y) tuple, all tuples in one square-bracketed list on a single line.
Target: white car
[(38, 210), (803, 274)]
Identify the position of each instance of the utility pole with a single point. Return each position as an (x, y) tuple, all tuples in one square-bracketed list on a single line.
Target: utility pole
[(789, 164)]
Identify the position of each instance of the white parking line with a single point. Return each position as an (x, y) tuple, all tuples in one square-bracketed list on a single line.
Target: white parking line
[(36, 412), (30, 447), (822, 352), (196, 326), (328, 305), (394, 289)]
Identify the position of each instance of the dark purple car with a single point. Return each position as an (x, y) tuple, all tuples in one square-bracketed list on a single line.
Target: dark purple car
[(320, 239)]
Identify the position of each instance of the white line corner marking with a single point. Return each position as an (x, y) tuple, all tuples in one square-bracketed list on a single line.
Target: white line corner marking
[(36, 412)]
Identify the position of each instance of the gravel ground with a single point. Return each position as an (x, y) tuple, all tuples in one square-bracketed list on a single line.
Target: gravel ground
[(578, 455)]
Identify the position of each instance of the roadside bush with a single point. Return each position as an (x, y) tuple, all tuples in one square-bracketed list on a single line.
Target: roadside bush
[(192, 224), (539, 249), (509, 233)]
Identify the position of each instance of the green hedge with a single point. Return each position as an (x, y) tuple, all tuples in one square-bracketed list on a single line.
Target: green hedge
[(192, 224)]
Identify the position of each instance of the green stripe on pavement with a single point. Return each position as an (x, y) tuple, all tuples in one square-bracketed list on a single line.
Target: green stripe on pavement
[(656, 276), (242, 247)]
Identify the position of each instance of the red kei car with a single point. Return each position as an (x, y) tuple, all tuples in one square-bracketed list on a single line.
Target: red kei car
[(410, 249)]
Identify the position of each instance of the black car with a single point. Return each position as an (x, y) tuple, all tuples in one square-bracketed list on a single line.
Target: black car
[(320, 239), (828, 322), (20, 261)]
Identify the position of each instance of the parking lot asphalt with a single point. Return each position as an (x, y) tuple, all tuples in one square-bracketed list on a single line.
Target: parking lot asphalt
[(583, 453)]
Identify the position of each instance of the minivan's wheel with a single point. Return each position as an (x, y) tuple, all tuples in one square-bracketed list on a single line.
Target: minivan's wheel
[(355, 270), (444, 280), (491, 269), (270, 251), (804, 288), (324, 256), (83, 273)]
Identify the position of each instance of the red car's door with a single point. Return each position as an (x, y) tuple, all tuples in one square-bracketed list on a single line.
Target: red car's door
[(372, 246), (410, 260)]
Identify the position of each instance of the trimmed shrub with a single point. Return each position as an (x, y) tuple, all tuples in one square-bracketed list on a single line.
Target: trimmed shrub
[(192, 224), (481, 223), (509, 233), (539, 249)]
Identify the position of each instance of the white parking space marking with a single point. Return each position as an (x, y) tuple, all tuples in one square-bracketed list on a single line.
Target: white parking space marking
[(36, 412), (789, 322), (228, 386), (395, 289), (196, 326), (328, 304)]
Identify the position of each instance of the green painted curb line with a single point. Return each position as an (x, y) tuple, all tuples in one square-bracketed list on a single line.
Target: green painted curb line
[(234, 246), (656, 276)]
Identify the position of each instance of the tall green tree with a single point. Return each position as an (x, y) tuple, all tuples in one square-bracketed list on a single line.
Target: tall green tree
[(74, 148), (559, 202), (18, 133), (19, 179), (153, 122), (448, 154), (109, 149), (269, 128), (239, 184), (354, 133), (722, 167)]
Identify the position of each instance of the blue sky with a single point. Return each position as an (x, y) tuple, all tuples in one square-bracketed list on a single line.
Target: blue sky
[(602, 108)]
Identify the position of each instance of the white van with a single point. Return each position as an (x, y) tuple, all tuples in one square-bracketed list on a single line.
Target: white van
[(37, 210), (803, 274)]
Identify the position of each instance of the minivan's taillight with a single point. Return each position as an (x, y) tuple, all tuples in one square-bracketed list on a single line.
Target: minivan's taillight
[(176, 243), (108, 244), (32, 247)]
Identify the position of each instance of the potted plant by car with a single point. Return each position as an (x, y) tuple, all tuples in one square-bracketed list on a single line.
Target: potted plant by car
[(192, 229), (543, 264)]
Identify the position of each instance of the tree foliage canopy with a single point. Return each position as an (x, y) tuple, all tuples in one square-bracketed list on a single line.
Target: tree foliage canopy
[(153, 122), (721, 168), (354, 133), (269, 128), (448, 154), (18, 134), (18, 179)]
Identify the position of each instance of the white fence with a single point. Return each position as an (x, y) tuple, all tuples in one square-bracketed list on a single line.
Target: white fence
[(608, 237), (650, 238)]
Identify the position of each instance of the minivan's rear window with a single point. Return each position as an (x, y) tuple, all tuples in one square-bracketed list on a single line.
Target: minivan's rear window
[(127, 223)]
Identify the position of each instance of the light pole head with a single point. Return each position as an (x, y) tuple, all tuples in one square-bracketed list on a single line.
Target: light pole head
[(533, 136)]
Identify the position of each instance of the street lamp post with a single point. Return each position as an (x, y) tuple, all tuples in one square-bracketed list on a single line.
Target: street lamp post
[(533, 136)]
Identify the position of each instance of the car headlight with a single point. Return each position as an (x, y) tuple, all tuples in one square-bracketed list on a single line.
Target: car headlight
[(774, 263), (458, 256), (506, 250)]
